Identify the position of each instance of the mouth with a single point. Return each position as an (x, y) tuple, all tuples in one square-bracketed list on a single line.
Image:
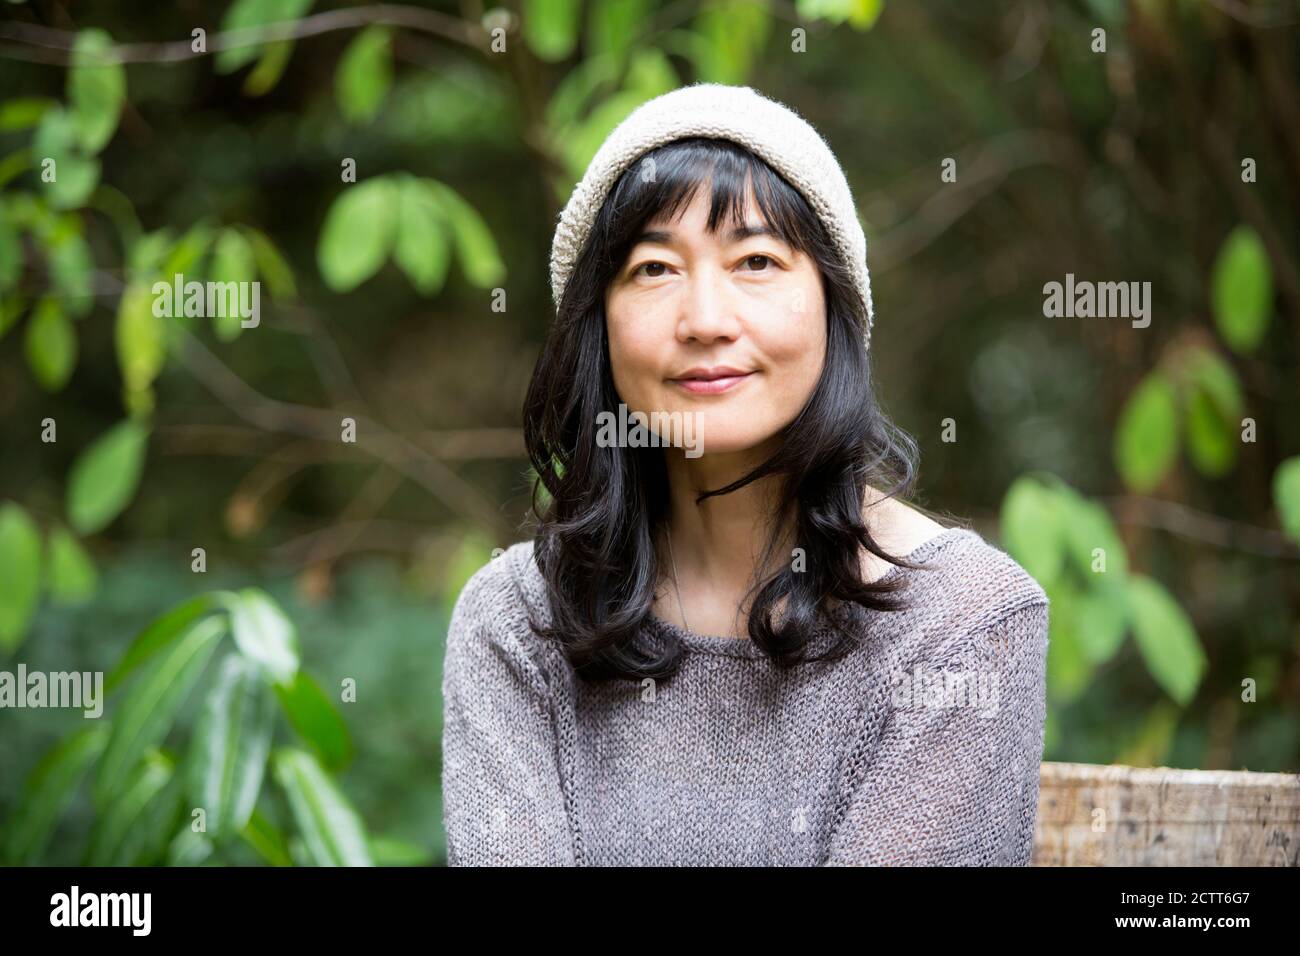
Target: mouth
[(711, 381)]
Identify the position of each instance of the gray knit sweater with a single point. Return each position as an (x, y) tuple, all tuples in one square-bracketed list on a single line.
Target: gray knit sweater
[(921, 746)]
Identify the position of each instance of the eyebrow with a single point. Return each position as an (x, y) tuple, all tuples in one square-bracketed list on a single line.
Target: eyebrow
[(746, 231)]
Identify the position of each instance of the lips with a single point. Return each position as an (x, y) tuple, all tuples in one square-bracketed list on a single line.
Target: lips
[(711, 381)]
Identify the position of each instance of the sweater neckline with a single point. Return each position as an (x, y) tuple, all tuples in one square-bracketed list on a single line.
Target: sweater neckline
[(745, 647)]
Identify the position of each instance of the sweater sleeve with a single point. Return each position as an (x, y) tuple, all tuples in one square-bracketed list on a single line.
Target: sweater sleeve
[(503, 803), (953, 778)]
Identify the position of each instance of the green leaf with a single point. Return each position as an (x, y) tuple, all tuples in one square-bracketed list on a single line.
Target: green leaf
[(388, 851), (1241, 290), (1212, 374), (861, 14), (271, 265), (1101, 621), (316, 719), (575, 90), (1213, 404), (161, 633), (358, 232), (24, 112), (146, 713), (263, 633), (140, 337), (364, 74), (614, 26), (146, 841), (331, 829), (1068, 666), (270, 67), (96, 89), (147, 254), (550, 27), (179, 258), (72, 269), (1088, 526), (50, 345), (651, 74), (268, 842), (20, 573), (298, 852), (134, 828), (230, 747), (734, 32), (1286, 495), (74, 175), (1146, 439), (189, 848), (475, 247), (232, 261), (422, 250), (865, 13), (48, 792), (72, 577), (243, 14), (1166, 638), (1211, 440), (581, 142), (105, 476), (1032, 529)]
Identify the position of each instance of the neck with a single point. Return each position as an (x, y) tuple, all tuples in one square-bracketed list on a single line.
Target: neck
[(719, 542)]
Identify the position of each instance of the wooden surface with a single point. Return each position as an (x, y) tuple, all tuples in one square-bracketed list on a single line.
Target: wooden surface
[(1133, 816)]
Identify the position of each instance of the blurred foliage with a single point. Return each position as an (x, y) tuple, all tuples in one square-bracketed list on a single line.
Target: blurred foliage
[(392, 182), (154, 806), (389, 738)]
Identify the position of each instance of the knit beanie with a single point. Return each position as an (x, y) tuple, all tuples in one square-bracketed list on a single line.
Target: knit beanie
[(773, 131)]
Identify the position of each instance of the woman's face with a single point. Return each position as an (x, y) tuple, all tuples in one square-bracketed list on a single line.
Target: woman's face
[(729, 329)]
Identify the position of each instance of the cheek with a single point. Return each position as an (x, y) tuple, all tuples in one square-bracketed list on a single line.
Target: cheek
[(795, 340), (633, 357)]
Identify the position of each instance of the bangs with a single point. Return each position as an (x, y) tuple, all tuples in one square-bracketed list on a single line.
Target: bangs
[(664, 181)]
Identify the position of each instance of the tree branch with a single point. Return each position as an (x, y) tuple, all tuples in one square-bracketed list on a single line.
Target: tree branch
[(324, 425), (455, 444), (40, 44), (1201, 526)]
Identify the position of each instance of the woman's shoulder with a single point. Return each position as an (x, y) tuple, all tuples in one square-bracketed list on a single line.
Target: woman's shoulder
[(962, 572), (491, 623), (494, 599), (967, 596)]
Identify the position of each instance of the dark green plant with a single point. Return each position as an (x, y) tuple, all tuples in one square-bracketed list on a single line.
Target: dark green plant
[(193, 802)]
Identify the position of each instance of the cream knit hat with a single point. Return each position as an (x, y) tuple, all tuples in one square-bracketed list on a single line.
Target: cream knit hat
[(773, 131)]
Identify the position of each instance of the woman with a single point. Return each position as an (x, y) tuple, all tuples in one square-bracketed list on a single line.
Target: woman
[(730, 642)]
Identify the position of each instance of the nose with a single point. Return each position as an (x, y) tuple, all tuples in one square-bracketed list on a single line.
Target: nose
[(707, 308)]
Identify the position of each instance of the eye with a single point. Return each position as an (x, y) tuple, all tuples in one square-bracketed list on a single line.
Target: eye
[(761, 258), (649, 265)]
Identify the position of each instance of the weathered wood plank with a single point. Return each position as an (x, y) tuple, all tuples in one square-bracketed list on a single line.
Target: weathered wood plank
[(1136, 816)]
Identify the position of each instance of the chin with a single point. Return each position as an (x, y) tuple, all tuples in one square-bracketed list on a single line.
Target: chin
[(723, 438)]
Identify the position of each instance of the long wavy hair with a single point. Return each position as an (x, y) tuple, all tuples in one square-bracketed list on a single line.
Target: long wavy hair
[(604, 507)]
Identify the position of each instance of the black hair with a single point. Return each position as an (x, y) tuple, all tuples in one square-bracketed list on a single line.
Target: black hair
[(604, 507)]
